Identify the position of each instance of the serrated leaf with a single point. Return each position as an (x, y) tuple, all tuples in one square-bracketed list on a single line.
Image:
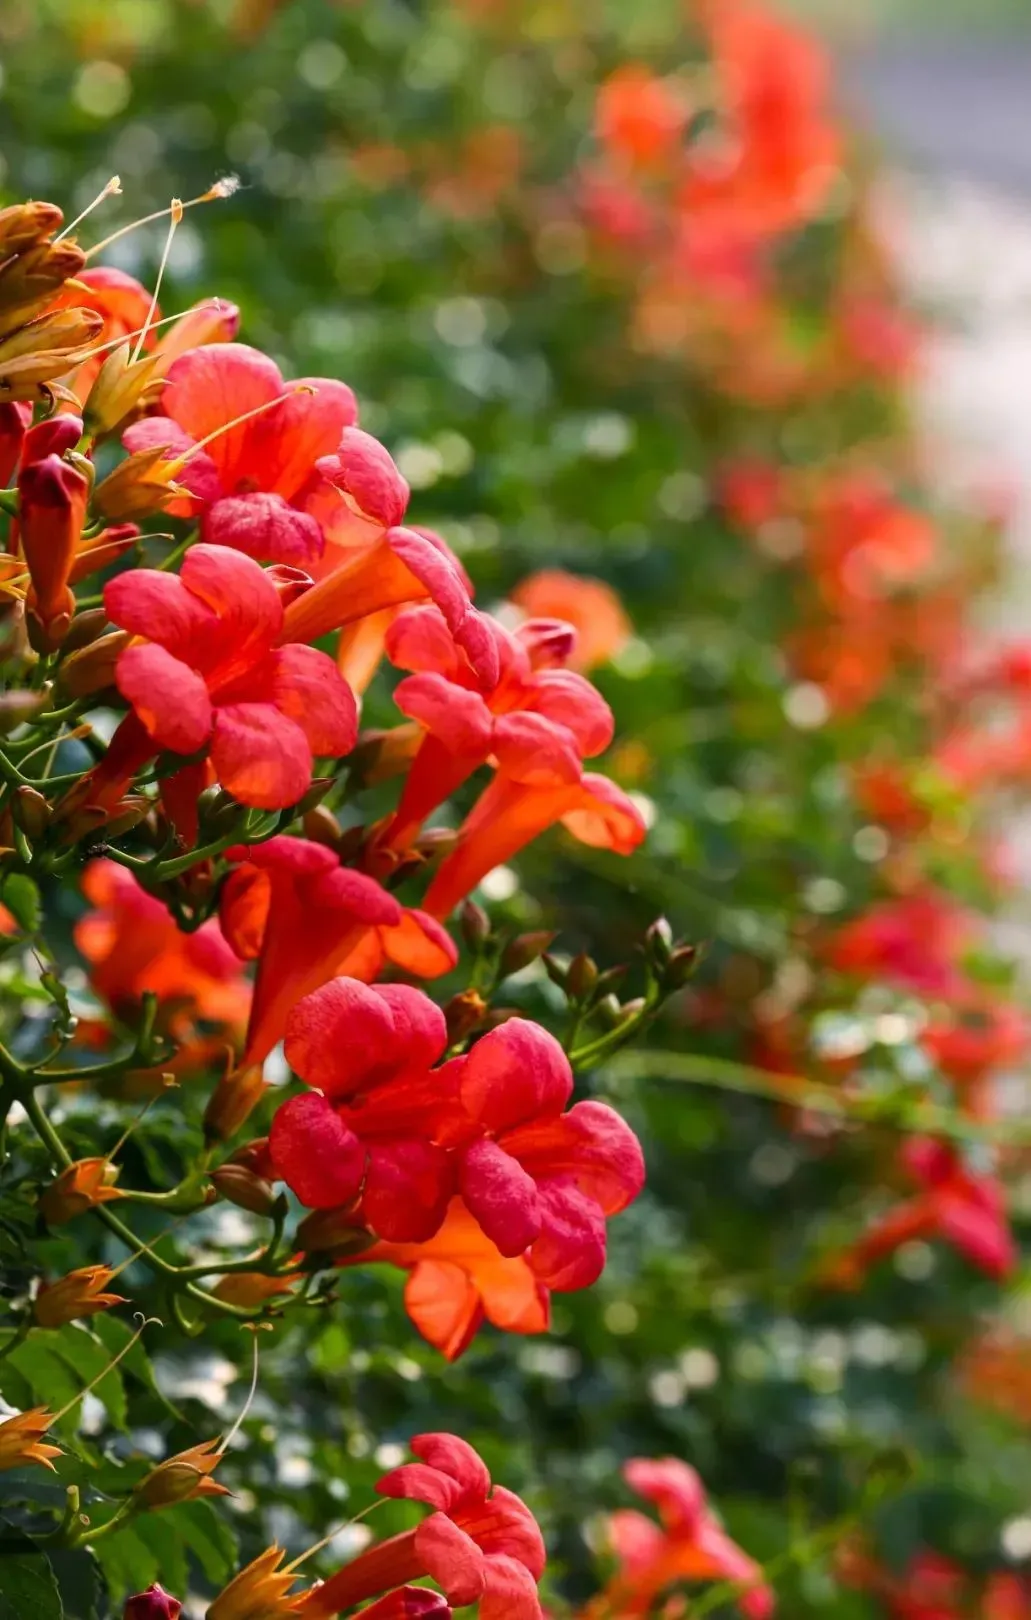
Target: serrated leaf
[(47, 1376), (210, 1539), (21, 897), (87, 1356), (28, 1589)]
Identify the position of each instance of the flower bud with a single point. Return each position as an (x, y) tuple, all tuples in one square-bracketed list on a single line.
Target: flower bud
[(581, 977), (13, 636), (681, 965), (127, 814), (320, 786), (464, 1013), (25, 223), (336, 1232), (45, 349), (29, 281), (31, 811), (609, 1012), (659, 941), (379, 756), (18, 707), (92, 669), (79, 1187), (249, 1289), (153, 1604), (84, 629), (183, 1476), (232, 1102), (53, 496), (322, 827), (77, 1295), (523, 950), (122, 387), (21, 1440), (475, 926), (244, 1189), (14, 419)]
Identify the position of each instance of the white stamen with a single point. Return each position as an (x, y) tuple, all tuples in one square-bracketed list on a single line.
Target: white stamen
[(176, 211), (112, 189)]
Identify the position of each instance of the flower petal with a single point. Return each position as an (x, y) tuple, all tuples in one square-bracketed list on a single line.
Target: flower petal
[(243, 908), (308, 687), (282, 447), (211, 386), (420, 1026), (169, 697), (262, 758), (340, 1035), (263, 526), (249, 609), (444, 1305), (501, 1196), (570, 1252), (459, 717), (364, 471), (504, 1526), (511, 1591), (516, 1073), (147, 602), (570, 701), (457, 1458), (314, 1152), (420, 945), (605, 818), (420, 1482), (591, 1146), (535, 750), (408, 1188), (452, 1558)]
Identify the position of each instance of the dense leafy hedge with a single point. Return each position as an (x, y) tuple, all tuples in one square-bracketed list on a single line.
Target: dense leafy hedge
[(597, 340)]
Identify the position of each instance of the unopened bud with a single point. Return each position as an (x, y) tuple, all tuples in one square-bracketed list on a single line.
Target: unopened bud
[(336, 1232), (322, 827), (139, 486), (523, 950), (555, 970), (24, 223), (92, 669), (123, 386), (320, 786), (464, 1013), (381, 755), (153, 1604), (183, 1476), (31, 811), (249, 1289), (79, 1187), (475, 926), (244, 1189), (80, 1293), (13, 634), (232, 1102), (609, 1012), (659, 941), (85, 628), (18, 707), (581, 977), (217, 812), (128, 813), (681, 965)]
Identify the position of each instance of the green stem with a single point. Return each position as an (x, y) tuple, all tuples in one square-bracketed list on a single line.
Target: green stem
[(723, 1074), (18, 1337)]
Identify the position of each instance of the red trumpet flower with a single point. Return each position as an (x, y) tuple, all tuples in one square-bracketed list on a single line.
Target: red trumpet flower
[(249, 481), (522, 802), (534, 715), (481, 1543), (208, 675), (133, 945), (291, 905), (965, 1209), (690, 1545)]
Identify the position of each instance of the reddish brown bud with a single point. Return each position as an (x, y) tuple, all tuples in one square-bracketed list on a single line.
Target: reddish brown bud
[(523, 950), (31, 811), (243, 1188), (475, 925), (464, 1013), (581, 977), (232, 1102), (18, 707), (336, 1232), (92, 669), (25, 223), (153, 1604), (322, 827), (182, 1477)]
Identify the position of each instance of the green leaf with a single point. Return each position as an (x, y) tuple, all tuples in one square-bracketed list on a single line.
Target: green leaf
[(210, 1539), (87, 1356), (46, 1374), (21, 897), (78, 1580), (115, 1334), (28, 1590), (161, 1533), (128, 1564)]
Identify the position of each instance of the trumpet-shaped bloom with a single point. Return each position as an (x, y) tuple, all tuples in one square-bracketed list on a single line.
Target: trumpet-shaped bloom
[(689, 1545), (538, 1179), (539, 721), (517, 807), (369, 1130), (480, 1543), (293, 907), (953, 1203), (249, 482), (388, 1130), (132, 945), (205, 673)]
